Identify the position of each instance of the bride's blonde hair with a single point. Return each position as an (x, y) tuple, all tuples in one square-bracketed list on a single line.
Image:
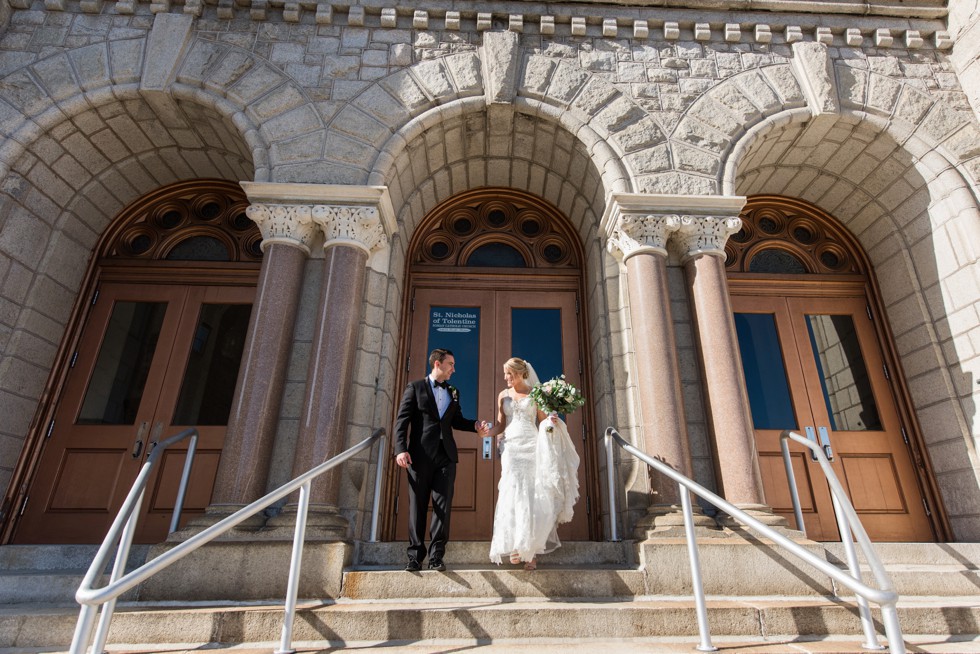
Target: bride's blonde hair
[(517, 365)]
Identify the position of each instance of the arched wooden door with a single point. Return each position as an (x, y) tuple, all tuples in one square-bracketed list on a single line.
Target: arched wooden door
[(496, 273), (816, 357), (156, 349)]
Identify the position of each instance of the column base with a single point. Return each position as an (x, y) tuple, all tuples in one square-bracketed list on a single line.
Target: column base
[(214, 514), (667, 521), (763, 514), (323, 523)]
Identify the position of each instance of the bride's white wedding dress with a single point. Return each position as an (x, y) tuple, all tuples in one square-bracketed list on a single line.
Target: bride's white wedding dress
[(538, 484)]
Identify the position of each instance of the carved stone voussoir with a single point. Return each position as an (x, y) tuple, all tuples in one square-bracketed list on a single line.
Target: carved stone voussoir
[(706, 234), (284, 223), (355, 225), (635, 233)]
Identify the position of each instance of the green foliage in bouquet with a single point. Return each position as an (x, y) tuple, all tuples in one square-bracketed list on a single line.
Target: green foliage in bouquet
[(558, 396)]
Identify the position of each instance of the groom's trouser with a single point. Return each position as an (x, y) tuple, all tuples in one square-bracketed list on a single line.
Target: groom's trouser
[(425, 481)]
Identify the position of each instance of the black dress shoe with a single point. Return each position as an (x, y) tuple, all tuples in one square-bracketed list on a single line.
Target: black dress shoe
[(437, 565), (413, 566)]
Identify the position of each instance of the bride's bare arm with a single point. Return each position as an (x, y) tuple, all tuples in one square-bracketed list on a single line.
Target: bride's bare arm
[(501, 423)]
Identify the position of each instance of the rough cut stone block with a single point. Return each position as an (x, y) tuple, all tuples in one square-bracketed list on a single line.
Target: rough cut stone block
[(547, 25), (884, 38), (516, 23), (793, 33), (420, 19), (610, 28), (672, 31), (702, 31), (733, 32), (763, 34), (452, 20), (913, 39), (824, 35), (484, 21), (853, 37), (389, 17), (641, 29), (578, 26), (355, 16)]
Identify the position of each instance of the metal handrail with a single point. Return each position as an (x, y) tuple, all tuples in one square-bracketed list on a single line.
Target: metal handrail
[(885, 596), (124, 526)]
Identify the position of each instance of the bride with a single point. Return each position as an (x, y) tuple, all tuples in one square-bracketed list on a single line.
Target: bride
[(539, 472)]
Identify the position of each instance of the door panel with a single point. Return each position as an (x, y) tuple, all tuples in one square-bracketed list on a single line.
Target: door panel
[(116, 404), (833, 368), (484, 328)]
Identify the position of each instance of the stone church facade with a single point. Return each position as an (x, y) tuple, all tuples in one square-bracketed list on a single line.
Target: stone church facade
[(684, 164)]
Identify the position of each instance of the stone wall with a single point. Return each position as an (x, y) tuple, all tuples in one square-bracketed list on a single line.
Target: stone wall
[(868, 117)]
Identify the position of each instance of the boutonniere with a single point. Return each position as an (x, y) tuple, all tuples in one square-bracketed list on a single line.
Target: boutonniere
[(453, 393)]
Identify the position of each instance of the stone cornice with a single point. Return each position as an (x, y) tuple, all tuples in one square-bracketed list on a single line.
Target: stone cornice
[(618, 204), (764, 21)]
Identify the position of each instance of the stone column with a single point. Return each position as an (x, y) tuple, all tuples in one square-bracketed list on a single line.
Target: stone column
[(353, 227), (287, 233), (641, 238), (702, 238)]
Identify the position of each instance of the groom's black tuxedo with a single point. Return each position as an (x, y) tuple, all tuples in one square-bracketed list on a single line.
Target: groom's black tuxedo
[(428, 438)]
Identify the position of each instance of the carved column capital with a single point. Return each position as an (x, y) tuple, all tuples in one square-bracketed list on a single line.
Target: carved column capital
[(706, 234), (636, 232), (291, 224), (357, 226)]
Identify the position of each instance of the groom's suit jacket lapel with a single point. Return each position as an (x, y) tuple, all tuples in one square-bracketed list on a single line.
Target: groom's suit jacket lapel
[(431, 403)]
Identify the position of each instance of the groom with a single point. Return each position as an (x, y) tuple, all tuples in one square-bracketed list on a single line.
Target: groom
[(424, 445)]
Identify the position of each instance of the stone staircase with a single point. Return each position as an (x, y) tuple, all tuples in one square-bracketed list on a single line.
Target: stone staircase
[(624, 594)]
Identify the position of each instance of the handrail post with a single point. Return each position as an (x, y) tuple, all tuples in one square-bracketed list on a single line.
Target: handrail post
[(794, 492), (295, 563), (696, 581), (118, 570), (867, 623), (611, 481), (376, 505), (184, 479)]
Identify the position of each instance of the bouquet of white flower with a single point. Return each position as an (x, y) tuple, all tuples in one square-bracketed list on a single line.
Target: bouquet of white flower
[(557, 396)]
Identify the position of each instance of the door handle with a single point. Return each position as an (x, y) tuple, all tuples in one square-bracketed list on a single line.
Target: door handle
[(488, 447), (825, 441), (155, 436), (811, 436), (138, 445)]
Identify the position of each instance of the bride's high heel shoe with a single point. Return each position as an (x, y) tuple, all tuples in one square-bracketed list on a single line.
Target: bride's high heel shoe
[(515, 558), (531, 565)]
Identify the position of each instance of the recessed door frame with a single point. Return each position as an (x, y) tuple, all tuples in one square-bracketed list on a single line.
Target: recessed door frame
[(109, 265)]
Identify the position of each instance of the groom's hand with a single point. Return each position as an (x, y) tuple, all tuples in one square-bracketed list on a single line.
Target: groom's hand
[(404, 459)]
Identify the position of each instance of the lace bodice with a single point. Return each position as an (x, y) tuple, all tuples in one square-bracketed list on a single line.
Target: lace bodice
[(521, 410)]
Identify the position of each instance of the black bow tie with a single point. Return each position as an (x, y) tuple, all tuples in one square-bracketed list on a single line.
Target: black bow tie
[(441, 384)]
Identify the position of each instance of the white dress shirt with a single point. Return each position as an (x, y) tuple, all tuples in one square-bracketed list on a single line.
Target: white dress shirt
[(441, 395)]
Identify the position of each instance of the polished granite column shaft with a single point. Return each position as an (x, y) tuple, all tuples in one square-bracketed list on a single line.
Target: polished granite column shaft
[(642, 239), (323, 423), (703, 238), (244, 467)]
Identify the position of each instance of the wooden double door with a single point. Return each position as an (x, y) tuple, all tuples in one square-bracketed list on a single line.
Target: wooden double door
[(484, 328), (152, 360), (814, 364)]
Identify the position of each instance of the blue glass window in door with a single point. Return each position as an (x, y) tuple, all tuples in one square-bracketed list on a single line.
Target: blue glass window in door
[(843, 376), (458, 329), (765, 373), (536, 337)]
